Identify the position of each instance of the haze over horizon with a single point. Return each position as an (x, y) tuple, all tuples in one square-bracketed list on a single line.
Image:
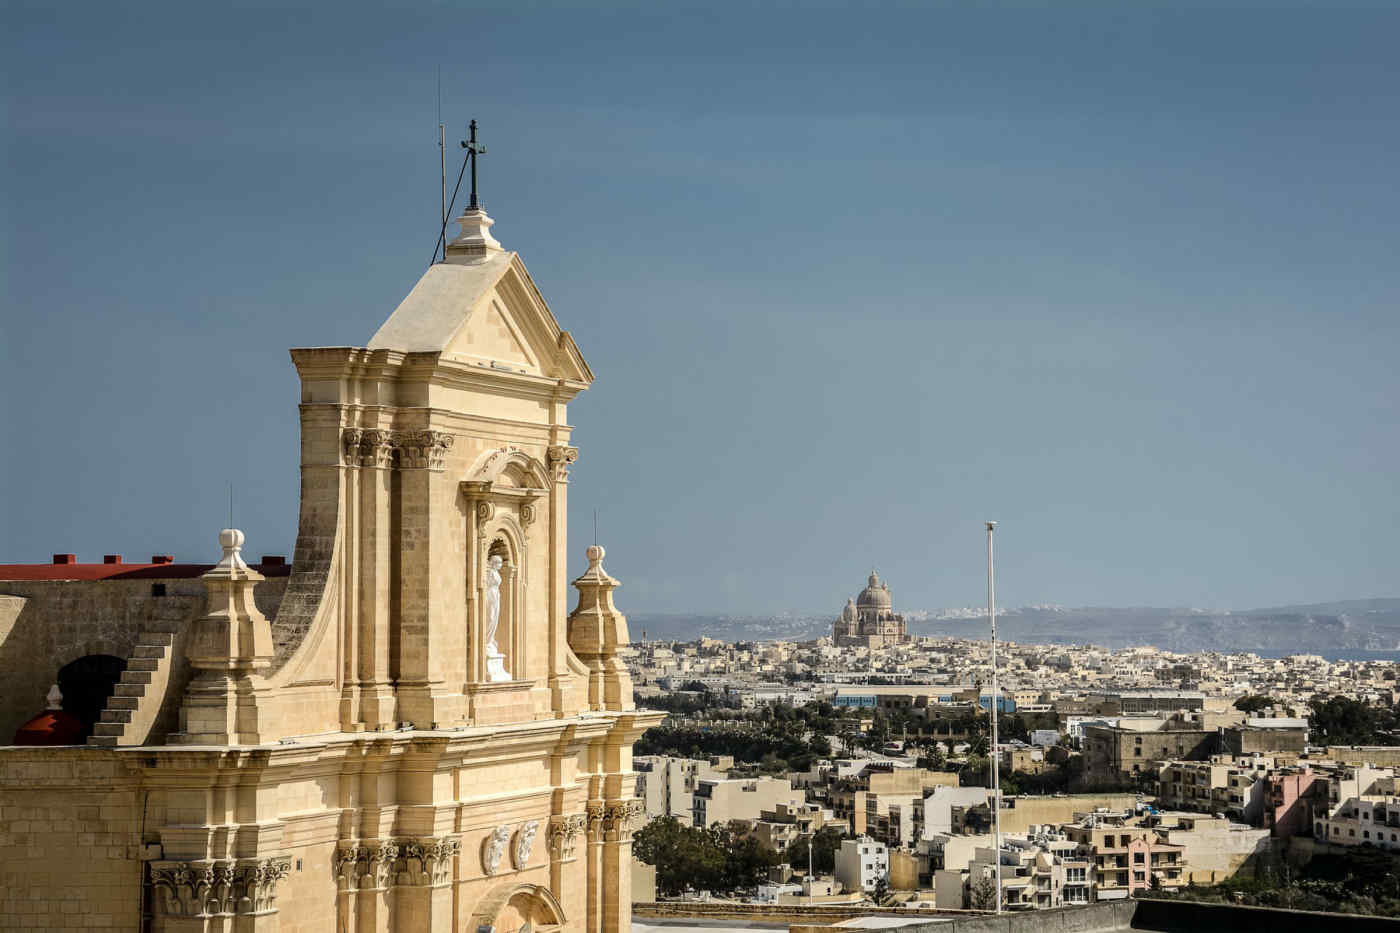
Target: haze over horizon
[(1121, 278)]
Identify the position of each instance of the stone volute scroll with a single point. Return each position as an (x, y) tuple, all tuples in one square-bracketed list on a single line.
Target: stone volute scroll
[(596, 632)]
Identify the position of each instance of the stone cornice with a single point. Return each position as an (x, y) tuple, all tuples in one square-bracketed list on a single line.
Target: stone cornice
[(319, 364), (171, 764)]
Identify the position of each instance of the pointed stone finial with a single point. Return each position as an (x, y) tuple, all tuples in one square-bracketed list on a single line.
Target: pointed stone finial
[(229, 648), (596, 631), (55, 698)]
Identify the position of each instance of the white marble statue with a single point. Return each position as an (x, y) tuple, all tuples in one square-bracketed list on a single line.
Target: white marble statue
[(491, 582)]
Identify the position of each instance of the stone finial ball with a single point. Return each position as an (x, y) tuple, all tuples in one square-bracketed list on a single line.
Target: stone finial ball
[(231, 539), (595, 552)]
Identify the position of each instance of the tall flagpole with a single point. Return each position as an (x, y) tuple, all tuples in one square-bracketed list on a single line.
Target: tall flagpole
[(996, 697)]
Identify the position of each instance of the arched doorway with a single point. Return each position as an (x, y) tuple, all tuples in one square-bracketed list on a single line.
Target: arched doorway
[(518, 908), (86, 684)]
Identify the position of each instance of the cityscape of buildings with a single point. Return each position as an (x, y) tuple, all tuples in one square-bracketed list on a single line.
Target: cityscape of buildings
[(1145, 770)]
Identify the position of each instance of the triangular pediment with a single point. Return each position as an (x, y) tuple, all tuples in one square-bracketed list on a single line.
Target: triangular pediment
[(487, 312)]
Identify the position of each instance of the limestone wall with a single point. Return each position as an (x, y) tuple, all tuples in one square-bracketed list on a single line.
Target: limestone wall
[(46, 624), (70, 855)]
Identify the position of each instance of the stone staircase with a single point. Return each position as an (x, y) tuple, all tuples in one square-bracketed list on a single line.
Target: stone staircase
[(136, 703)]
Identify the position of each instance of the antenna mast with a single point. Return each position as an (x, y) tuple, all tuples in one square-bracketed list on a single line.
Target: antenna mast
[(442, 160), (996, 770)]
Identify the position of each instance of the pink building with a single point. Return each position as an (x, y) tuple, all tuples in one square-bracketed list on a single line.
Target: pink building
[(1289, 810)]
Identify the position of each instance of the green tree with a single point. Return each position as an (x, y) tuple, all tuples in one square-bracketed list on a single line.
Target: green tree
[(824, 845), (983, 894), (1254, 702), (882, 888), (1341, 720)]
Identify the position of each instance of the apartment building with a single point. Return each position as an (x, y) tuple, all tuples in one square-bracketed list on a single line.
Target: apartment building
[(1223, 784), (667, 785), (1040, 871), (1126, 859), (871, 791), (1363, 808), (860, 863), (720, 801), (1294, 795), (785, 824)]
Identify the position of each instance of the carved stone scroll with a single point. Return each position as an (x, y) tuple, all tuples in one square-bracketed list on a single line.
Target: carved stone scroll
[(493, 848), (524, 843)]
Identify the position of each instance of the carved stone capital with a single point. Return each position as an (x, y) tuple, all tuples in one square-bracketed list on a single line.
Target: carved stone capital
[(564, 831), (560, 459), (485, 511), (595, 814), (370, 865), (422, 450), (367, 447), (619, 819), (259, 883), (527, 513), (428, 861), (209, 888)]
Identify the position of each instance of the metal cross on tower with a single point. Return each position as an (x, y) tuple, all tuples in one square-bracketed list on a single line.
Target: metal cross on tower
[(474, 149)]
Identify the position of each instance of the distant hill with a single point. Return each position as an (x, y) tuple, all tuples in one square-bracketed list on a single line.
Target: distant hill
[(1321, 628)]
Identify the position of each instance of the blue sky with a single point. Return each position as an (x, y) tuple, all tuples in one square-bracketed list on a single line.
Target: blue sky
[(853, 278)]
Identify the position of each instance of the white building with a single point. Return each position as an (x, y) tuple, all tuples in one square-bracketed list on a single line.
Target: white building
[(862, 862)]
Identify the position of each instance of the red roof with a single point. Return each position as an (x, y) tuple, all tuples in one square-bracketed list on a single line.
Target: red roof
[(124, 571), (51, 727)]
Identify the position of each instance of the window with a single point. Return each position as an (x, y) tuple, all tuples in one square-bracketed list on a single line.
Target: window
[(1139, 858)]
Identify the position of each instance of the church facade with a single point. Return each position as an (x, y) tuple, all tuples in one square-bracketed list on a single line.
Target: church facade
[(404, 729), (869, 620)]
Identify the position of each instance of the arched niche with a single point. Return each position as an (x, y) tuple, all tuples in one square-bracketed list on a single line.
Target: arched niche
[(517, 908), (504, 490), (87, 683)]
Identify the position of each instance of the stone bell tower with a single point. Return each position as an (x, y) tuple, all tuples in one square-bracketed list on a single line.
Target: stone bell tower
[(406, 730)]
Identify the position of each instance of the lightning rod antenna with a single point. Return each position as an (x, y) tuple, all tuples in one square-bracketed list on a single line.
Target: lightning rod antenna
[(442, 158)]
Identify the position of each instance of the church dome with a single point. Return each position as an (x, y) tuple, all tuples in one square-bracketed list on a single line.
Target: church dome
[(876, 594)]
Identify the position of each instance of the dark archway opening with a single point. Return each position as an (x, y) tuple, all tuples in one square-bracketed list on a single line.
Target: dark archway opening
[(86, 684)]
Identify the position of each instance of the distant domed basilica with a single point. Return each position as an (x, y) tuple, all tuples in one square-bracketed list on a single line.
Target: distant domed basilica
[(868, 621)]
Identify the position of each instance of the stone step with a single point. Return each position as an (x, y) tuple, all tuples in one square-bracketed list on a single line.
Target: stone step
[(135, 691), (118, 702), (108, 741), (112, 729), (135, 677), (143, 664), (149, 651), (153, 637), (115, 716)]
